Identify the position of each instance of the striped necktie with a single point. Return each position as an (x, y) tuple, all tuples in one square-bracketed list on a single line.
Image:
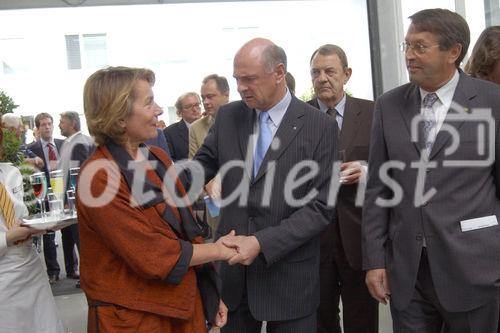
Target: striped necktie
[(7, 207), (52, 152)]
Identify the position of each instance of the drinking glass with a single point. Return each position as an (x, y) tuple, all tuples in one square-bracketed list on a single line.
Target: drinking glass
[(56, 183), (70, 196), (73, 177), (39, 184)]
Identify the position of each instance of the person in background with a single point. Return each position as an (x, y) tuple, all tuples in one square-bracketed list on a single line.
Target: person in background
[(76, 149), (26, 301), (214, 94), (13, 122), (290, 82), (484, 62), (141, 250), (48, 148), (341, 275), (177, 134)]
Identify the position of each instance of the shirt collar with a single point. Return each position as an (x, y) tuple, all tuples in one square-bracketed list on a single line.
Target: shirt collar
[(44, 143), (446, 92), (277, 112), (340, 107), (71, 137)]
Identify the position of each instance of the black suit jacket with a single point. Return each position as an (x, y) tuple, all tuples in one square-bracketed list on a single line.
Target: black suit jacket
[(355, 140), (37, 149), (283, 281), (177, 136)]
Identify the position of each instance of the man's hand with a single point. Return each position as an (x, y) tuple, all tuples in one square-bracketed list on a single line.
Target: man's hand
[(248, 248), (221, 317), (352, 172), (213, 188), (378, 285), (35, 161)]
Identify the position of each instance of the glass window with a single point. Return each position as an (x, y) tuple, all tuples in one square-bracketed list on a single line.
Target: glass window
[(182, 43)]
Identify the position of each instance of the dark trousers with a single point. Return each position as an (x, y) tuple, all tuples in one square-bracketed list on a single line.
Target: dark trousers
[(50, 254), (339, 280), (425, 314), (241, 321), (70, 238)]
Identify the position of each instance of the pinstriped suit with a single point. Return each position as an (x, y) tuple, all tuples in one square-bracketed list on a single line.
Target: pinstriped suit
[(283, 281)]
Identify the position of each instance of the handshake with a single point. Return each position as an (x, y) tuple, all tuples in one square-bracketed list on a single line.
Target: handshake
[(237, 249)]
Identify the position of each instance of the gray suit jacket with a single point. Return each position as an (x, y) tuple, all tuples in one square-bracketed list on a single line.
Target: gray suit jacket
[(355, 140), (465, 266), (283, 281)]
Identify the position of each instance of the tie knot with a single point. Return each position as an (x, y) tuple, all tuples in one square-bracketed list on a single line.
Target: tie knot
[(429, 100), (263, 117), (331, 112)]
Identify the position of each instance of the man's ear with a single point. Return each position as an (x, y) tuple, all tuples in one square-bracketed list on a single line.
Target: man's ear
[(348, 73)]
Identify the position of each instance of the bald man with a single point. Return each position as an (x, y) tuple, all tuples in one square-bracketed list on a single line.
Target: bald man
[(275, 275)]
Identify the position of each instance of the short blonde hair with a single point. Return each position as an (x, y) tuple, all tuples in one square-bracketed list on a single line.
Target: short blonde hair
[(107, 98)]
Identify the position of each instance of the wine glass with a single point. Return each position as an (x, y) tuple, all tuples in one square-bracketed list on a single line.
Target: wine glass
[(39, 184)]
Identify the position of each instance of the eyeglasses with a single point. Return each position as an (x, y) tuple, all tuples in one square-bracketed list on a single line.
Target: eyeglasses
[(191, 106), (418, 48)]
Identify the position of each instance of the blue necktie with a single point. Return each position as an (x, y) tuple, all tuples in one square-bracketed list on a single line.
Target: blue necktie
[(263, 142)]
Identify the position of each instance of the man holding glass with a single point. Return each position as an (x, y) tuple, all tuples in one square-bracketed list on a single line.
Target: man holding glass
[(76, 149), (340, 264)]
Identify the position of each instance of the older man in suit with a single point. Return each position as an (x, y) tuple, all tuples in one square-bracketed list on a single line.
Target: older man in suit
[(341, 275), (77, 149), (48, 148), (430, 229), (177, 134), (273, 141)]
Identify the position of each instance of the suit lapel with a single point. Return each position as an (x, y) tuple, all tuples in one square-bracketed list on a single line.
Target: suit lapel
[(183, 131), (410, 110), (463, 94), (245, 122), (350, 125), (292, 122)]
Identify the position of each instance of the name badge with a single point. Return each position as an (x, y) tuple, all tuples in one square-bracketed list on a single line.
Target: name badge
[(478, 223)]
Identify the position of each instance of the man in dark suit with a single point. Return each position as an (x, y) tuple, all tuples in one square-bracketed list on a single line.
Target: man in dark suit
[(430, 229), (76, 149), (277, 206), (48, 148), (177, 135), (341, 275)]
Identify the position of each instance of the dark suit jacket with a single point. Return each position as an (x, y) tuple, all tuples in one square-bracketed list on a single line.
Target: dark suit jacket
[(283, 281), (159, 141), (464, 266), (355, 140), (37, 149), (177, 136)]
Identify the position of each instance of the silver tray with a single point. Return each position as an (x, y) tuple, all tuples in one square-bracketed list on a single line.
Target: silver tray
[(49, 222)]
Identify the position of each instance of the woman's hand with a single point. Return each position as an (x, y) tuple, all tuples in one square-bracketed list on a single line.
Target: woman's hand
[(225, 253), (221, 317), (19, 233)]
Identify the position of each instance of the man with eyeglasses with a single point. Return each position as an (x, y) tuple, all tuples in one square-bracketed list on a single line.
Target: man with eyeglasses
[(430, 226), (177, 135), (341, 275)]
